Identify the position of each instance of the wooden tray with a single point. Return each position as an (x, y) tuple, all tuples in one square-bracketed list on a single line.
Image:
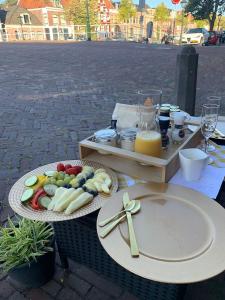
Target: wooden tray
[(131, 163)]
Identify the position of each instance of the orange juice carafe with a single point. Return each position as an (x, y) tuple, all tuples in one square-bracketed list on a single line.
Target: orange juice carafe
[(148, 142), (148, 139)]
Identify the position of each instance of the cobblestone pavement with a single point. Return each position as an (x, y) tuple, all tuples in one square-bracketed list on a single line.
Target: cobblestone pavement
[(53, 95)]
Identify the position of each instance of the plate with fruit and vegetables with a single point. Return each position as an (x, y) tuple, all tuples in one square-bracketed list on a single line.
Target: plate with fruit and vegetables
[(63, 190)]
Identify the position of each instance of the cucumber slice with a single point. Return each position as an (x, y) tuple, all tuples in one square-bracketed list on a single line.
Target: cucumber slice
[(31, 181), (50, 189), (44, 201), (27, 195), (49, 173)]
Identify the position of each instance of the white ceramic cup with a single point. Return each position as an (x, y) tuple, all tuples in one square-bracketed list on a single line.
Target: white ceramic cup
[(192, 162)]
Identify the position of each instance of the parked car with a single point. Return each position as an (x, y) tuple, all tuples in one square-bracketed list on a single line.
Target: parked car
[(198, 36), (213, 38)]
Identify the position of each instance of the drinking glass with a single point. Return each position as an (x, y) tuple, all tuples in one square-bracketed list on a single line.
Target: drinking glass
[(149, 102), (208, 123), (216, 100)]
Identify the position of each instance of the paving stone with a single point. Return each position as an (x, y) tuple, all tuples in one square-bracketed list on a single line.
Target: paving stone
[(55, 95), (37, 294), (68, 294), (52, 288), (6, 289), (60, 275), (99, 282), (96, 294), (17, 296), (79, 285)]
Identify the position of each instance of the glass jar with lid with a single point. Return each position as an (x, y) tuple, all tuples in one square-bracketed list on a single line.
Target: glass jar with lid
[(106, 137), (127, 138)]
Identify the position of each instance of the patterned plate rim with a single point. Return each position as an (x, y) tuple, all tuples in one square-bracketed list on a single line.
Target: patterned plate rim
[(50, 216)]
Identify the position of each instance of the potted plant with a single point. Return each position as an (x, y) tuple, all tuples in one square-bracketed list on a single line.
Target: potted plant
[(27, 252)]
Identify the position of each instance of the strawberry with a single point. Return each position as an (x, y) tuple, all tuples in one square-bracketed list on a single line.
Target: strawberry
[(78, 169), (68, 167), (60, 167), (71, 171)]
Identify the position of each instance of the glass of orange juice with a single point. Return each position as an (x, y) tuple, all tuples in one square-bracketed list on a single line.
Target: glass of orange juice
[(148, 142), (148, 139)]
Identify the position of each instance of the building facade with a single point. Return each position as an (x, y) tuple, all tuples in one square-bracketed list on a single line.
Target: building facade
[(19, 24), (46, 20)]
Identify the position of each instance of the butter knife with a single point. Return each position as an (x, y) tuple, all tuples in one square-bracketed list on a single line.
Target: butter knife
[(133, 243)]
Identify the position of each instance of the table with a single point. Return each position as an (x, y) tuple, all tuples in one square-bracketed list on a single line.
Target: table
[(86, 249), (77, 239)]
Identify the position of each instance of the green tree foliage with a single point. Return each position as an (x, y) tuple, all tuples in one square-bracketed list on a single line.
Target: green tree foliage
[(126, 10), (179, 20), (161, 13), (76, 11), (206, 9), (201, 23), (8, 3)]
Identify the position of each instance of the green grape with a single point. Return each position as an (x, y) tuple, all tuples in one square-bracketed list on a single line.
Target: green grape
[(72, 176), (61, 175), (60, 183), (56, 175), (52, 180), (67, 180)]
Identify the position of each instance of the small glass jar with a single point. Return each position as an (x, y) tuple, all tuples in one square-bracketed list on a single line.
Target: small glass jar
[(127, 138), (178, 129), (106, 137)]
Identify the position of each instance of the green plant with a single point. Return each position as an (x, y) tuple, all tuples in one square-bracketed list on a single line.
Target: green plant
[(23, 242)]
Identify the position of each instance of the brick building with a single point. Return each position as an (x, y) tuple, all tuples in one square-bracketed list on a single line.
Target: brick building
[(18, 23), (51, 15)]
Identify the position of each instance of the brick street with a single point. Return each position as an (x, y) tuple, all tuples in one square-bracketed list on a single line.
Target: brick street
[(53, 95)]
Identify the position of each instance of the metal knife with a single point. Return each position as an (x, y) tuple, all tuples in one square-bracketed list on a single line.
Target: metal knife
[(133, 243)]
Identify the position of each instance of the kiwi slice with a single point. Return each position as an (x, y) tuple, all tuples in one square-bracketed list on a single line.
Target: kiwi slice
[(31, 181), (50, 189), (50, 173), (44, 201), (27, 195)]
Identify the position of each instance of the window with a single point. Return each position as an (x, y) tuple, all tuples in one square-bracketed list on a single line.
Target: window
[(195, 30), (62, 19), (25, 19), (55, 20)]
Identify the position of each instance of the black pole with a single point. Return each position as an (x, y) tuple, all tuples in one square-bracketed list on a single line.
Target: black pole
[(88, 27), (186, 79)]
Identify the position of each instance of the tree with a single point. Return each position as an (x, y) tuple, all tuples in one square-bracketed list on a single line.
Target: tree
[(126, 10), (206, 9), (179, 20), (8, 3), (201, 23), (161, 15), (76, 11)]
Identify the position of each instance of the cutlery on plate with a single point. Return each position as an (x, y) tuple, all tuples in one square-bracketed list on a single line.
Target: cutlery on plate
[(220, 133), (133, 243), (128, 207), (113, 224)]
